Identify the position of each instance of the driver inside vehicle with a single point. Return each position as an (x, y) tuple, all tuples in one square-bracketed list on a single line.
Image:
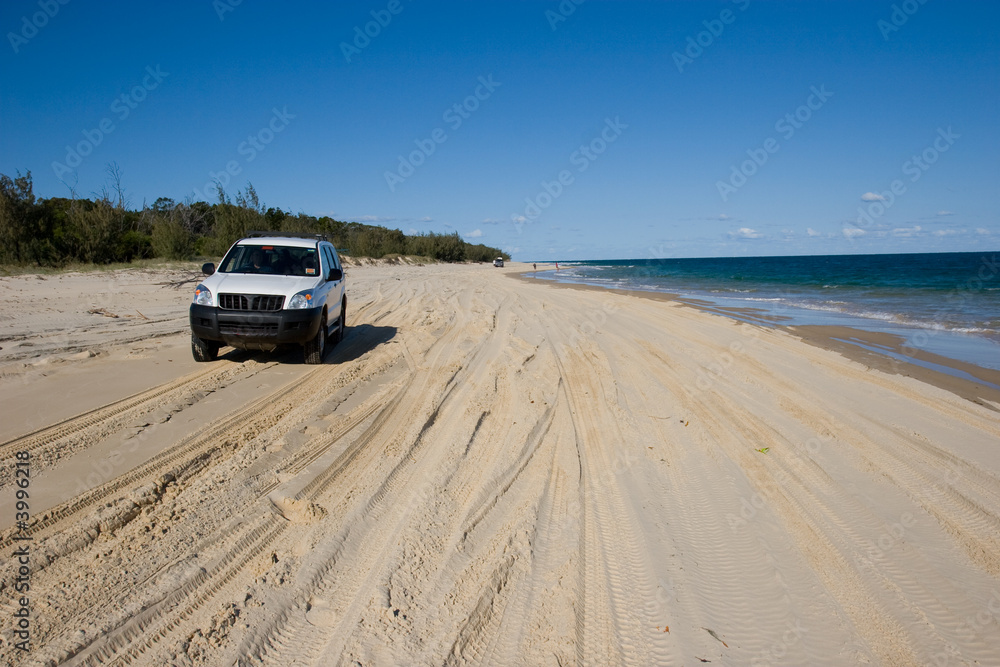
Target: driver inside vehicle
[(258, 263)]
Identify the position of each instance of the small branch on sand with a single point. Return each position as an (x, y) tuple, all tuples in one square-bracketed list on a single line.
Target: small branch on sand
[(177, 284)]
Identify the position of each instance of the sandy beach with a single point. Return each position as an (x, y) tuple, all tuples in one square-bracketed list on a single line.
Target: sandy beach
[(486, 471)]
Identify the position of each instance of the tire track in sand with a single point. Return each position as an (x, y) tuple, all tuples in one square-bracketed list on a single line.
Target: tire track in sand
[(51, 443), (134, 637), (293, 637), (614, 625)]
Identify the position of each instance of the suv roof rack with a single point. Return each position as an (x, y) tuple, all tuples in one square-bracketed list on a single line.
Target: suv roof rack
[(296, 235)]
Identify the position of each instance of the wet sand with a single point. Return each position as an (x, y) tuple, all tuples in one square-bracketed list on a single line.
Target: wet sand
[(885, 351)]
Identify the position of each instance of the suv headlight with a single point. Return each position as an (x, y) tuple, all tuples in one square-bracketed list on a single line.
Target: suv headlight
[(202, 296), (301, 300)]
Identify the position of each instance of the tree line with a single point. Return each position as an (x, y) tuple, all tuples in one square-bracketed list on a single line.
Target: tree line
[(55, 231)]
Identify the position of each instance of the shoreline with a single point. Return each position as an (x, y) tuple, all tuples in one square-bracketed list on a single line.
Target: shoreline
[(882, 351)]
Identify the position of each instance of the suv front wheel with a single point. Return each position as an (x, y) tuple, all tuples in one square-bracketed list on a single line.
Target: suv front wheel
[(204, 350), (313, 350)]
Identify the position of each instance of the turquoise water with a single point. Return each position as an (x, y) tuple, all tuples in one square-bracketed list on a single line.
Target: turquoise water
[(947, 303)]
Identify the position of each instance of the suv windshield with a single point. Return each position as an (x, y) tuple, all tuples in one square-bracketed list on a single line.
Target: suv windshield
[(271, 259)]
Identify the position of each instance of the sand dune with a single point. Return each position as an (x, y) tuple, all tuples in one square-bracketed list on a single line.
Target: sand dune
[(487, 471)]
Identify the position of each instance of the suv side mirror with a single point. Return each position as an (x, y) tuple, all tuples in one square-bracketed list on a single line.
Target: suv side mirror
[(335, 274), (208, 268)]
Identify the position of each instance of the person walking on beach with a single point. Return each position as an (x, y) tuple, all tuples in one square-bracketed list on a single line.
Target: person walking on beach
[(534, 267)]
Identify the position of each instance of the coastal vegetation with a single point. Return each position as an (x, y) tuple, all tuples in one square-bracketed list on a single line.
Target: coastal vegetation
[(56, 231)]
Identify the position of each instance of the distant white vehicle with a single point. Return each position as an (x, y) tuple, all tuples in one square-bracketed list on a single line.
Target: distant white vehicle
[(498, 261)]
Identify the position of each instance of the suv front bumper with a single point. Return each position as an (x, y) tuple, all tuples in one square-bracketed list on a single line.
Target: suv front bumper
[(255, 330)]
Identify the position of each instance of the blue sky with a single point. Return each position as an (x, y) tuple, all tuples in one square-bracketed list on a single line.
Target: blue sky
[(555, 130)]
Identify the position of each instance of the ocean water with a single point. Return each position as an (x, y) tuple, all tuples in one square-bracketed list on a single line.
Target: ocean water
[(948, 303)]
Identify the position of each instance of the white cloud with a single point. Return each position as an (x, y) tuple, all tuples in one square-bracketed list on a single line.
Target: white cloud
[(871, 196), (492, 221), (474, 234), (982, 231), (746, 233), (851, 232), (907, 232), (722, 217), (943, 214), (945, 232), (373, 218), (812, 232)]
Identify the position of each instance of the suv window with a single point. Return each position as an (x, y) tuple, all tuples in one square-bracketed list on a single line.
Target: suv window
[(272, 259), (328, 259)]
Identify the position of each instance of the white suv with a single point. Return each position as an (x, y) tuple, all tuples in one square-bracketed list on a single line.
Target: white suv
[(270, 291)]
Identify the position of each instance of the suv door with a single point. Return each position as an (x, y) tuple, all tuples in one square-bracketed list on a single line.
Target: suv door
[(336, 288)]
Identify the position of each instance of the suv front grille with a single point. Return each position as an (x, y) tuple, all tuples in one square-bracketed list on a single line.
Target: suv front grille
[(254, 302)]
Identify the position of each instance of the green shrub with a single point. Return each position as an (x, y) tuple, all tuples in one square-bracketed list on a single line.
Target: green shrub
[(57, 231), (171, 240)]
